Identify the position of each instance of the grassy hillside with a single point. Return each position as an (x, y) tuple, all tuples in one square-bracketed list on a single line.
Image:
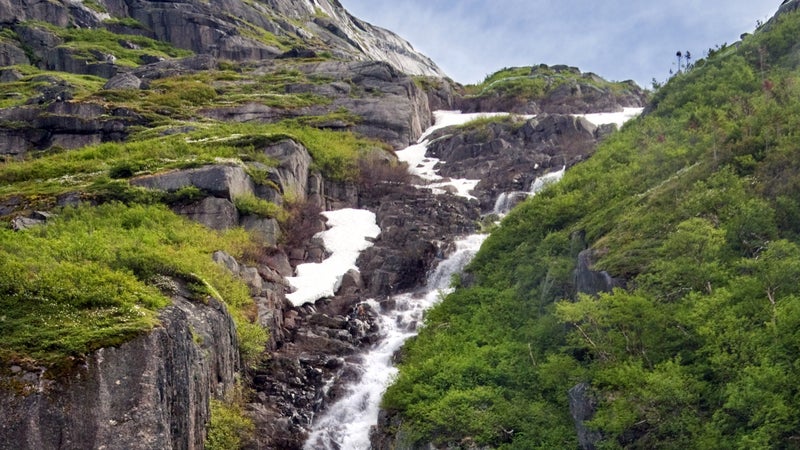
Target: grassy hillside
[(93, 276), (696, 206)]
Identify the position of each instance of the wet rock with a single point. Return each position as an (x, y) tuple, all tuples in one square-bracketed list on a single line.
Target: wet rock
[(589, 281), (351, 283), (508, 156), (582, 408)]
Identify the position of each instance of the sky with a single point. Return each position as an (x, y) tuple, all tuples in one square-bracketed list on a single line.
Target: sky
[(616, 39)]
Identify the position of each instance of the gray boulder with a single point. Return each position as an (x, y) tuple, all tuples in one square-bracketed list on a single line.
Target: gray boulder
[(215, 213), (226, 182), (582, 409), (291, 173), (123, 81), (266, 230)]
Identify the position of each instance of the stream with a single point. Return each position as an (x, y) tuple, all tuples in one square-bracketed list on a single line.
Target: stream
[(347, 422)]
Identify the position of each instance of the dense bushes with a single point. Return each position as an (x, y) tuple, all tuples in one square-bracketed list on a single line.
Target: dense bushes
[(694, 206)]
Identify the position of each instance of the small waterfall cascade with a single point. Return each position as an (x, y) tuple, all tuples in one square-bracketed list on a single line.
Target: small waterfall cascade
[(546, 180), (508, 200), (347, 422)]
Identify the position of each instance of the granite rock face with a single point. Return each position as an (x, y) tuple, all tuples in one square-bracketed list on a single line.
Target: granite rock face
[(223, 29), (151, 392)]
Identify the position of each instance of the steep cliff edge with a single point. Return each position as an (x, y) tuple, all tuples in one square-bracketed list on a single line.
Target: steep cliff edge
[(151, 392)]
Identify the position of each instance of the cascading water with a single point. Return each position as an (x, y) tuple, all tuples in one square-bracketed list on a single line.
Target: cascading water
[(346, 425), (546, 180), (508, 200)]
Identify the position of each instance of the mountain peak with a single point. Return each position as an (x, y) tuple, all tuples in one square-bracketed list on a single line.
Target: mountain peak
[(230, 29)]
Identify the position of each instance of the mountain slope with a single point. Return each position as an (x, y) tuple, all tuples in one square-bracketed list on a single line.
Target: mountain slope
[(690, 215), (231, 29)]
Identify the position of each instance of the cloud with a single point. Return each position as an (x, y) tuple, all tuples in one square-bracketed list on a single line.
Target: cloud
[(618, 39)]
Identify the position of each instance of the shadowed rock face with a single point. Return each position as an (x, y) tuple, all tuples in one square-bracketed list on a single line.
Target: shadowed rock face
[(151, 392)]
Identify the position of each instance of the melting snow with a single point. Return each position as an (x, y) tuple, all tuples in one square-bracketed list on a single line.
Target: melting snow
[(345, 239), (618, 118), (423, 166)]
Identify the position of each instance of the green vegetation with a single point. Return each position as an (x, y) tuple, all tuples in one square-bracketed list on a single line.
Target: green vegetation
[(250, 204), (17, 93), (229, 427), (335, 153), (89, 279), (533, 83), (696, 207), (87, 42)]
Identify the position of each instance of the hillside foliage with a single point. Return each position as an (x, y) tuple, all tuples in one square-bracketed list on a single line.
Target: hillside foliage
[(695, 209), (97, 276)]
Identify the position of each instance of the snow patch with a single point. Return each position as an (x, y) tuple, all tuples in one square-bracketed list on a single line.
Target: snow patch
[(617, 118), (345, 238), (424, 166)]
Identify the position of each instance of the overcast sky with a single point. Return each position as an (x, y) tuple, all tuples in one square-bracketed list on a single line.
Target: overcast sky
[(617, 39)]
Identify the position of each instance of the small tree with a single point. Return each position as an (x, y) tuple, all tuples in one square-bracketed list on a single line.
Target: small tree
[(680, 58)]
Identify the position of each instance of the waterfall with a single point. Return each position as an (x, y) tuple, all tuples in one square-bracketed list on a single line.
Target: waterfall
[(545, 180), (347, 422)]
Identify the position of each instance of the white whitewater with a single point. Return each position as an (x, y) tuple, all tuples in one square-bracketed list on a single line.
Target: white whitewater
[(508, 200), (346, 425)]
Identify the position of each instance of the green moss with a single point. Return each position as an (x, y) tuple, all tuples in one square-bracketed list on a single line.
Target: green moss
[(537, 82), (87, 42), (128, 22), (252, 205), (18, 93), (86, 280), (94, 5), (228, 427)]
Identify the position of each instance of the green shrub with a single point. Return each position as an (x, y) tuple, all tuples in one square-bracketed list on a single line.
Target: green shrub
[(252, 205), (228, 428)]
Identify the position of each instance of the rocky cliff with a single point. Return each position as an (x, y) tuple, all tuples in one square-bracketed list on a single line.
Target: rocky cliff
[(232, 29), (152, 392)]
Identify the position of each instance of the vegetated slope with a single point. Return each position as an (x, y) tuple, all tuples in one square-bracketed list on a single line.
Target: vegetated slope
[(554, 89), (693, 213)]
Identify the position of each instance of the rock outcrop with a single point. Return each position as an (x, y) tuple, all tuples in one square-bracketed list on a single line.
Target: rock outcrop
[(151, 392), (61, 123), (508, 155), (233, 30), (562, 90), (582, 407)]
